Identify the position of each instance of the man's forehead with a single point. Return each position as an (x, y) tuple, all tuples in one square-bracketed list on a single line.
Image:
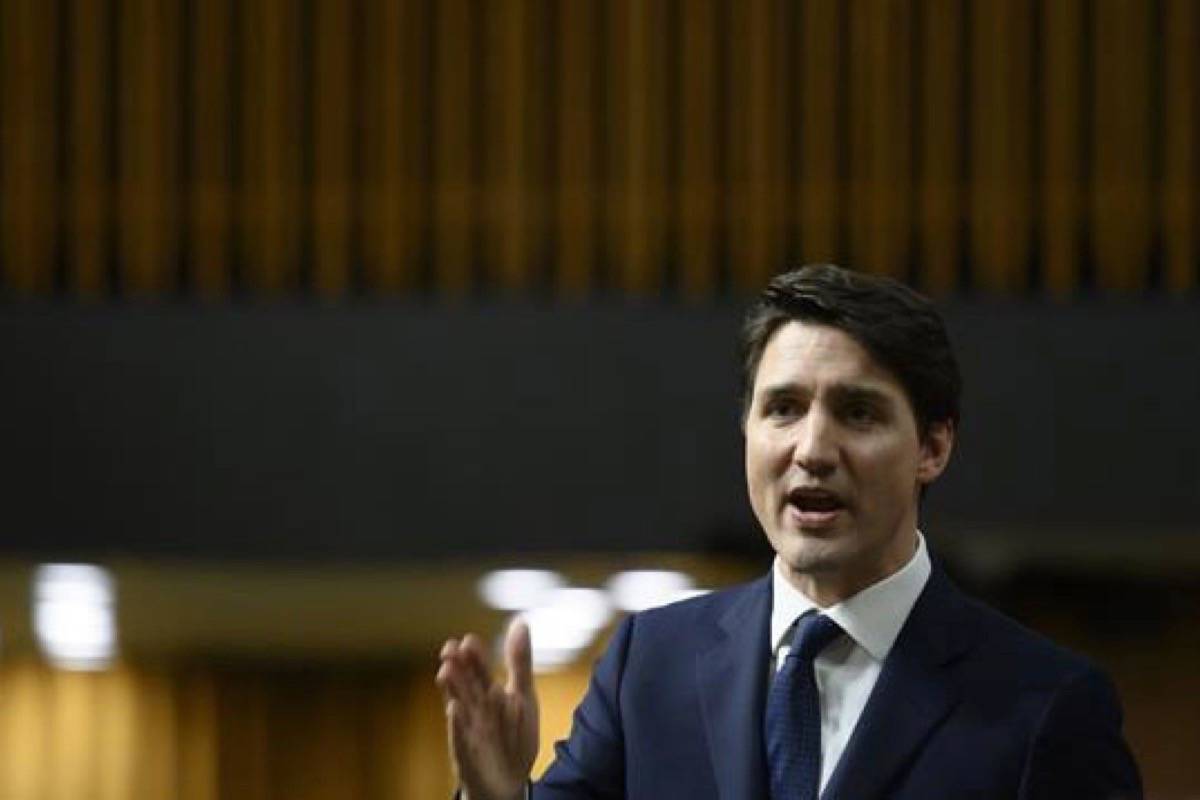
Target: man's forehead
[(808, 357)]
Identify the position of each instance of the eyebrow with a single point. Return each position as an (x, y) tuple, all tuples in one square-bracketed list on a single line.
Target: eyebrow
[(859, 393), (843, 392)]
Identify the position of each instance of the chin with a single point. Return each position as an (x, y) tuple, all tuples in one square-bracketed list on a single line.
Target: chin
[(817, 556)]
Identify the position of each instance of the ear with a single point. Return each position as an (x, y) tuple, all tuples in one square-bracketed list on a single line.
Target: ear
[(936, 446)]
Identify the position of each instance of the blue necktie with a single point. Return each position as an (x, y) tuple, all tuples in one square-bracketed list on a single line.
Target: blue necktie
[(793, 720)]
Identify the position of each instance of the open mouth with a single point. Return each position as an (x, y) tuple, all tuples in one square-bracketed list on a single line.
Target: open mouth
[(815, 507)]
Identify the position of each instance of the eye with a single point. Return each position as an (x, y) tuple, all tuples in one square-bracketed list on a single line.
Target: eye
[(781, 408), (861, 413)]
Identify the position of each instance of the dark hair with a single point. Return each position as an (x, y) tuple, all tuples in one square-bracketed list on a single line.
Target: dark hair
[(898, 326)]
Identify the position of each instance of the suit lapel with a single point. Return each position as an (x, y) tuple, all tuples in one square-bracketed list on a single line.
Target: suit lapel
[(913, 694), (732, 678)]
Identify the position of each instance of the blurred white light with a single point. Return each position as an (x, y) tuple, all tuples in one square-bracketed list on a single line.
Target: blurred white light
[(565, 624), (518, 589), (73, 615), (687, 594), (639, 589)]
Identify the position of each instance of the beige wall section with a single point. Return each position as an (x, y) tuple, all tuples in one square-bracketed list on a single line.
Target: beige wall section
[(377, 733), (184, 733)]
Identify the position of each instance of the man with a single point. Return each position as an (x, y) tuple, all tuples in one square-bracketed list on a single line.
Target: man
[(854, 670)]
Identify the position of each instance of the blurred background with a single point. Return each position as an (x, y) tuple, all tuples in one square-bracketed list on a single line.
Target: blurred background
[(318, 318)]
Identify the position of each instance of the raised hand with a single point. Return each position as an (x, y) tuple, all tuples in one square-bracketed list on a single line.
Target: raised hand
[(492, 728)]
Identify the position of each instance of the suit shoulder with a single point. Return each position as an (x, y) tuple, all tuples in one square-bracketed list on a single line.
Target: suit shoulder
[(1010, 645), (685, 615)]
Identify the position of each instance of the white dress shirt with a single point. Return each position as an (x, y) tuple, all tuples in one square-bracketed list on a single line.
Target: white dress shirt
[(847, 669)]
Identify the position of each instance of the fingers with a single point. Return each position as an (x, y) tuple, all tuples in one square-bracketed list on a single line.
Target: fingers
[(518, 658), (464, 675)]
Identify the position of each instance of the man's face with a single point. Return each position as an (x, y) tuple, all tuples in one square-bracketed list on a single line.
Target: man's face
[(834, 461)]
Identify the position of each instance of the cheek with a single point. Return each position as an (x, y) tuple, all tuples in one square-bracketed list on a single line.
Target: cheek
[(890, 463), (765, 459)]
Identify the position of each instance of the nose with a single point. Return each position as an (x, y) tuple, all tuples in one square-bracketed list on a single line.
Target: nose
[(815, 447)]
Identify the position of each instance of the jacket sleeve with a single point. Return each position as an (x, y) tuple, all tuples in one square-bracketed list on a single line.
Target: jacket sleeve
[(590, 764), (1079, 750)]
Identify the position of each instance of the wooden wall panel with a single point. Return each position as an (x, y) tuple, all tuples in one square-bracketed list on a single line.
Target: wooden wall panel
[(637, 198), (211, 197), (940, 136), (118, 760), (1060, 137), (577, 238), (326, 148), (1181, 127), (27, 163), (333, 122), (90, 184), (147, 98), (23, 738), (510, 112), (396, 78), (1001, 144), (272, 143), (822, 135), (198, 745), (697, 153), (1120, 196), (72, 750), (756, 141), (455, 200), (880, 182)]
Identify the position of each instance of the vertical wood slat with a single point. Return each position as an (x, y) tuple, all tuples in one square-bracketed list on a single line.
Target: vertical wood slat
[(1122, 208), (755, 241), (821, 137), (421, 758), (940, 123), (697, 149), (271, 141), (211, 191), (636, 192), (507, 175), (148, 137), (243, 736), (879, 137), (199, 777), (757, 245), (1000, 144), (155, 739), (24, 751), (321, 748), (395, 70), (331, 118), (1181, 104), (116, 715), (1059, 138), (70, 714), (454, 190), (637, 199), (619, 205), (578, 186), (27, 194), (1120, 202), (90, 208)]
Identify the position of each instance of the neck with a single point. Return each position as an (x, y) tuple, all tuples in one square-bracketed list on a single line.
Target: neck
[(828, 587)]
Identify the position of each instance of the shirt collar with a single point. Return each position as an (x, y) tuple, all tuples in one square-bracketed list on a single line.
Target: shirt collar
[(872, 618)]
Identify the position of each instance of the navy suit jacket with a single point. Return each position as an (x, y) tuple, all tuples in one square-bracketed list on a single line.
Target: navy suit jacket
[(969, 705)]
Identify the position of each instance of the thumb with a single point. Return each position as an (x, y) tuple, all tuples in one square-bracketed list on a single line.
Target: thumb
[(518, 658)]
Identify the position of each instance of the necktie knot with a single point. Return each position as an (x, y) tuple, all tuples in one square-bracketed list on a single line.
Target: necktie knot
[(814, 632)]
